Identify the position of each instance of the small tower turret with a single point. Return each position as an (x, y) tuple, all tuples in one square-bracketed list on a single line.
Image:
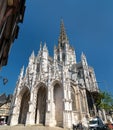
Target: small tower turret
[(55, 56), (40, 50), (20, 79), (44, 58), (85, 70), (21, 73), (84, 60), (31, 63), (32, 58)]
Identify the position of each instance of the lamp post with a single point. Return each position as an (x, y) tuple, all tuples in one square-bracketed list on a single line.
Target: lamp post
[(4, 80)]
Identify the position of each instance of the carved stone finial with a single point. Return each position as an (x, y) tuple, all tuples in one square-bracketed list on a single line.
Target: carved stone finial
[(45, 47), (21, 73), (32, 56), (40, 45), (83, 59), (83, 56)]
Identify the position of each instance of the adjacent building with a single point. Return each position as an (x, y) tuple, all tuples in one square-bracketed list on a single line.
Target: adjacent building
[(5, 102), (11, 13), (55, 91)]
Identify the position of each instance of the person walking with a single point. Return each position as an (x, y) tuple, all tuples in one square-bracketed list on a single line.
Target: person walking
[(79, 126)]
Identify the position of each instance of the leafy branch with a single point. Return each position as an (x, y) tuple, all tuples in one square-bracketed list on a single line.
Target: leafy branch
[(104, 101)]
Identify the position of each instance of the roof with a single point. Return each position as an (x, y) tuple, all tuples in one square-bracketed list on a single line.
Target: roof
[(4, 99)]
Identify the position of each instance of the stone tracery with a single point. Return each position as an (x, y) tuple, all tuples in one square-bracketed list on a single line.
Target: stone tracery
[(57, 92)]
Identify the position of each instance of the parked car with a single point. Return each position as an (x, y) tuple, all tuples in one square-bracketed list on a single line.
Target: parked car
[(97, 124)]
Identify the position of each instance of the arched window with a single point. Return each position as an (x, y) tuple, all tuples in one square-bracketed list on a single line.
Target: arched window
[(73, 99), (38, 67), (63, 57), (58, 58), (24, 107)]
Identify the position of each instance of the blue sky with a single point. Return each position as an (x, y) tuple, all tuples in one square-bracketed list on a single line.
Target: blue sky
[(89, 26)]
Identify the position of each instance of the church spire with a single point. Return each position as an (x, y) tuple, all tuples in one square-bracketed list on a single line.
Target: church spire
[(63, 35)]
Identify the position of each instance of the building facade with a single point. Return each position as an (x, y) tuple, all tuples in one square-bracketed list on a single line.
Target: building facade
[(54, 91), (11, 14), (5, 102)]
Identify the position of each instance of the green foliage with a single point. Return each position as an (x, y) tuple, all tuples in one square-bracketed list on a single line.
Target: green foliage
[(104, 101)]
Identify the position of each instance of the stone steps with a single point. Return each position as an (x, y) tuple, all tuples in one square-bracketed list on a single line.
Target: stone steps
[(21, 127)]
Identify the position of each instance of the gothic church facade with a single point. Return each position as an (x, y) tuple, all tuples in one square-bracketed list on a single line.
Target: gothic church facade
[(54, 91)]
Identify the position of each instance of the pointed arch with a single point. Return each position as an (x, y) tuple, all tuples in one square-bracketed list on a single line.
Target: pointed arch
[(23, 90), (90, 102), (58, 102), (37, 86), (73, 99), (82, 101), (56, 82), (24, 97), (40, 91)]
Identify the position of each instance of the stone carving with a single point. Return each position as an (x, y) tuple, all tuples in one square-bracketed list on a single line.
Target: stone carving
[(49, 92)]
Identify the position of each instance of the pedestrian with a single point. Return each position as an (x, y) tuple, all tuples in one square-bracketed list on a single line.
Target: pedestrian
[(74, 127), (80, 127)]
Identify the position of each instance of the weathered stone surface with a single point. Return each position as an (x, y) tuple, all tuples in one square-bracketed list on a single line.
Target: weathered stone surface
[(54, 91)]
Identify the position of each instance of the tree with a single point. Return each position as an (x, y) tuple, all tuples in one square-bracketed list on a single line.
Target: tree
[(104, 101)]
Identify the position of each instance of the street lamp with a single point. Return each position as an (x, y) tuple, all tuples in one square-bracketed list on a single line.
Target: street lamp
[(5, 80)]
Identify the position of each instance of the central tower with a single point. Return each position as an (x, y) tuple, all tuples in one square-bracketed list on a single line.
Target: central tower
[(64, 53)]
